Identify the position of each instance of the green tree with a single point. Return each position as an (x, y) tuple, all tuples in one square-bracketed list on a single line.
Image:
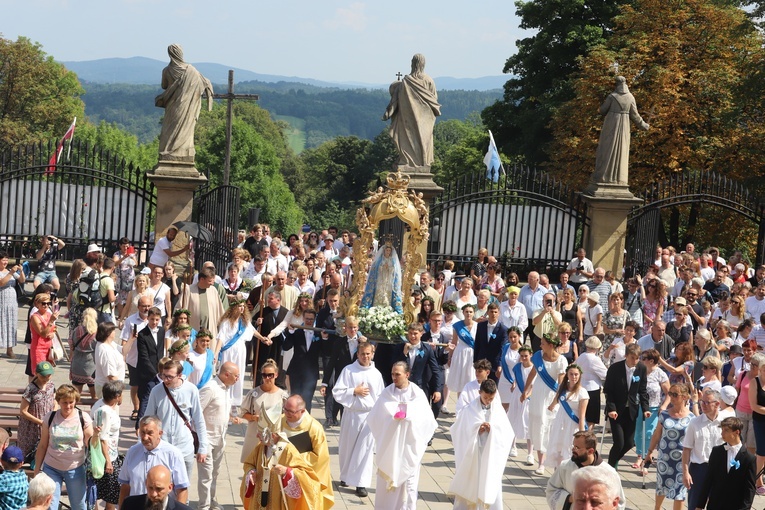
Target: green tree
[(110, 137), (541, 68), (39, 97)]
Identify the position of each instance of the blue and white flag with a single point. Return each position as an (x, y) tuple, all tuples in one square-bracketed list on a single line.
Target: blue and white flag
[(492, 161)]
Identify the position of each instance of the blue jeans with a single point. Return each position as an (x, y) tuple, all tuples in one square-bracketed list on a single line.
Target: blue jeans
[(650, 426), (75, 485)]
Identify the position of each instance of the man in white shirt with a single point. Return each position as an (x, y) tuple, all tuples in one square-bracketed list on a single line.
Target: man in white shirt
[(707, 272), (755, 305), (511, 312), (667, 269), (276, 261), (215, 399), (133, 325), (703, 433), (580, 269)]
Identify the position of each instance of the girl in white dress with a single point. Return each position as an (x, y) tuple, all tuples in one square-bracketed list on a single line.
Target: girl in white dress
[(234, 330), (447, 333), (508, 359), (571, 401), (461, 364), (546, 374), (518, 411)]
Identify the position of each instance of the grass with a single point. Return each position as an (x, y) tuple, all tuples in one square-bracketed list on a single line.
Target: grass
[(295, 133)]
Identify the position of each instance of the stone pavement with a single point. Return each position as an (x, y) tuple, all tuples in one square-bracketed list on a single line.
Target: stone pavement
[(522, 489)]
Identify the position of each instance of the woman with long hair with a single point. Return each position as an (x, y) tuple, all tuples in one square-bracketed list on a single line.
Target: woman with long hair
[(71, 282), (235, 328), (141, 283), (756, 397), (181, 319), (703, 346), (680, 366), (463, 339), (267, 395), (110, 364), (9, 307), (36, 402), (653, 306), (572, 401), (43, 326), (426, 308), (570, 313), (679, 330), (82, 346), (738, 313)]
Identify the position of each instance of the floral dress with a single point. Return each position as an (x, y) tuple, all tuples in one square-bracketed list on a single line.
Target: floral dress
[(75, 311), (9, 312), (125, 277), (669, 465), (613, 321), (41, 402), (649, 312)]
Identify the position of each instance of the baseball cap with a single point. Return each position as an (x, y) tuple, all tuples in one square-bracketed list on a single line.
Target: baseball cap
[(728, 395), (13, 455), (44, 368), (680, 301)]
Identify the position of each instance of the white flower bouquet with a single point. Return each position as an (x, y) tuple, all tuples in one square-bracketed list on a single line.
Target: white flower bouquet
[(381, 321)]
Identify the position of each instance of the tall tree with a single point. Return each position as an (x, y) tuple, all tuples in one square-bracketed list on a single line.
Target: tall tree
[(542, 68), (39, 97)]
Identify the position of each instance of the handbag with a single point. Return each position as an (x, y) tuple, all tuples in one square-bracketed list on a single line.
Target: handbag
[(96, 459), (56, 349), (186, 422)]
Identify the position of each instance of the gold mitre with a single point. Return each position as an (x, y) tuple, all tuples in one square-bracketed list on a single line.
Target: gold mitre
[(398, 180)]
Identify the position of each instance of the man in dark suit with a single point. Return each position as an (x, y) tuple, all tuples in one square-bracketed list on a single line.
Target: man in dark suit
[(490, 336), (158, 486), (271, 348), (150, 345), (420, 356), (626, 394), (730, 483), (326, 319), (304, 367), (433, 337), (343, 354)]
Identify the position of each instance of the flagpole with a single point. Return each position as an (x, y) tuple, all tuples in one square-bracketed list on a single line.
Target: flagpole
[(69, 151)]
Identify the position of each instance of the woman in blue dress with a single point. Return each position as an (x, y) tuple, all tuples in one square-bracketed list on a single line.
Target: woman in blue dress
[(669, 436)]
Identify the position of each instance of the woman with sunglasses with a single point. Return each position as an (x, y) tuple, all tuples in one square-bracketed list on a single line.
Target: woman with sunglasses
[(269, 395), (653, 305), (669, 433), (43, 326)]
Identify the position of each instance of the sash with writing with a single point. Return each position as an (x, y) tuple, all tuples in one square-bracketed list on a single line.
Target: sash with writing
[(542, 372), (236, 337), (464, 333), (518, 373), (207, 374), (570, 412), (505, 367)]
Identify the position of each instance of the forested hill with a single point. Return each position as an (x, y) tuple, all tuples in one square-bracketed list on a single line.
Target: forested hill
[(316, 114)]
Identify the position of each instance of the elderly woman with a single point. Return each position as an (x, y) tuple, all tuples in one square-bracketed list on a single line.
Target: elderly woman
[(82, 345), (482, 305), (493, 280), (36, 402), (657, 385), (61, 453), (464, 297), (592, 316), (680, 330), (40, 493), (267, 395), (593, 375)]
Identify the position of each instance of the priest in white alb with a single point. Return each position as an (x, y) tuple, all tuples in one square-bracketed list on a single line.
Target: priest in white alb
[(402, 423), (357, 389), (482, 438)]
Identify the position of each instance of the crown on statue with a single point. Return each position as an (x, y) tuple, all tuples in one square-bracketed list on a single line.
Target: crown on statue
[(398, 180), (388, 239)]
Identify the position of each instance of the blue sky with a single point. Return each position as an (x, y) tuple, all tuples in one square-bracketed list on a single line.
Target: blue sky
[(332, 40)]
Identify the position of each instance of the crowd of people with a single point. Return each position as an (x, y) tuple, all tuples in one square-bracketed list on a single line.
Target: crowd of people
[(662, 358)]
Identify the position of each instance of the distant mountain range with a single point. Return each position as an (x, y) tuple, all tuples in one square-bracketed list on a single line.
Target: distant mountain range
[(147, 71)]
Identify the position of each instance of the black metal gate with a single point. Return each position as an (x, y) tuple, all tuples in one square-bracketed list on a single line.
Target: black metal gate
[(218, 210), (90, 196), (528, 220), (694, 193)]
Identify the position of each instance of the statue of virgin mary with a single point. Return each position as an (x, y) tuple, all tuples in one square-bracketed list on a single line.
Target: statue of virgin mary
[(384, 281)]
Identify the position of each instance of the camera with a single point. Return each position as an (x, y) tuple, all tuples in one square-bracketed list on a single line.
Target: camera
[(580, 267), (548, 303), (51, 239)]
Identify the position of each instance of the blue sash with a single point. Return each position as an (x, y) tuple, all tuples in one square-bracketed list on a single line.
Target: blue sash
[(518, 373), (542, 372), (187, 369), (464, 334), (503, 362), (570, 412), (207, 374), (236, 337)]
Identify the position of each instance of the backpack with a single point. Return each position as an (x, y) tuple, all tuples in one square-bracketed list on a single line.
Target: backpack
[(89, 288)]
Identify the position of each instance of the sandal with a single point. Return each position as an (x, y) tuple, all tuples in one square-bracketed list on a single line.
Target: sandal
[(636, 465), (134, 415)]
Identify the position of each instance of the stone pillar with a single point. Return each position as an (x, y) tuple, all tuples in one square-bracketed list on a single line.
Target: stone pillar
[(608, 207), (175, 182), (422, 182)]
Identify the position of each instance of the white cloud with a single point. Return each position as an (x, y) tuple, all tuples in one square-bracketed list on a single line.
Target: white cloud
[(352, 17)]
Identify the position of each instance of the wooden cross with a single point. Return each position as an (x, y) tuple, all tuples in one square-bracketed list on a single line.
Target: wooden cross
[(229, 97), (399, 75)]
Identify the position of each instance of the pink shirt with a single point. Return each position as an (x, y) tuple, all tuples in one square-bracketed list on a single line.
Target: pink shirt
[(66, 444), (743, 403)]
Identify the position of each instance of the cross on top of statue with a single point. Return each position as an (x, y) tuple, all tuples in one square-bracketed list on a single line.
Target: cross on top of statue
[(229, 97), (399, 75)]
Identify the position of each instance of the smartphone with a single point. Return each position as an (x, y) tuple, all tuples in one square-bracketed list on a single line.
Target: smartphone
[(135, 329)]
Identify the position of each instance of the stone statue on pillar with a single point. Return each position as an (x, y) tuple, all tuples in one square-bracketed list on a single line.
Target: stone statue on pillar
[(612, 156), (183, 88)]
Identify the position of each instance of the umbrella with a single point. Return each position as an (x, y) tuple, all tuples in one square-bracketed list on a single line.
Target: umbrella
[(195, 230)]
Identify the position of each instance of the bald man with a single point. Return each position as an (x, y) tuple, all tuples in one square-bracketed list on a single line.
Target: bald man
[(159, 485)]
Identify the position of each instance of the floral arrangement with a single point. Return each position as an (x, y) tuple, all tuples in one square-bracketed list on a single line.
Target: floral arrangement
[(248, 285), (381, 321)]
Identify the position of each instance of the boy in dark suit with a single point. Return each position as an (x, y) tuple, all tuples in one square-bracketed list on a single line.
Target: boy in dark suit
[(490, 336), (730, 484), (626, 394), (419, 356), (304, 367), (150, 345)]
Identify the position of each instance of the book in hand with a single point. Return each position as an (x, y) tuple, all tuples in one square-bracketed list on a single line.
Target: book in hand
[(302, 442)]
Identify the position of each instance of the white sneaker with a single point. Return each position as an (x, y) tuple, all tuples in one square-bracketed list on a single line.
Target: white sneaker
[(529, 460), (539, 471), (514, 452)]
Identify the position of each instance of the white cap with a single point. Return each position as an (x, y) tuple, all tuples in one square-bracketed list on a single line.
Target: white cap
[(93, 247), (146, 270), (728, 394), (593, 296)]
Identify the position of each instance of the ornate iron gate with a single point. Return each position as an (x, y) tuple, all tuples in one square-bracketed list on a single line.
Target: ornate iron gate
[(528, 220), (218, 210), (91, 196), (697, 191)]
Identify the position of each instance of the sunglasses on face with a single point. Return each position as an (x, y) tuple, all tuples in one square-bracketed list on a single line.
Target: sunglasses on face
[(267, 376), (673, 394)]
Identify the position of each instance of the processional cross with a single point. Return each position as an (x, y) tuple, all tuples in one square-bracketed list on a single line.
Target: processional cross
[(229, 97)]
